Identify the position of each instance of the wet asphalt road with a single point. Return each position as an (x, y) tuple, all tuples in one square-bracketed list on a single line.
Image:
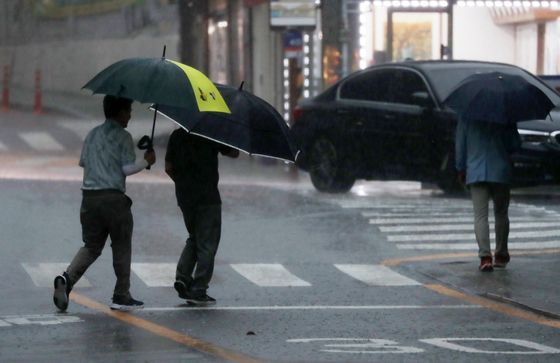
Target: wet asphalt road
[(290, 283)]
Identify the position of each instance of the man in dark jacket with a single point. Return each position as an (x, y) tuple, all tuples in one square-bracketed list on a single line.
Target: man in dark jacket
[(192, 163), (483, 160)]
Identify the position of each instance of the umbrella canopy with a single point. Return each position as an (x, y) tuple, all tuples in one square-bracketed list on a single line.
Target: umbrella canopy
[(160, 81), (253, 126), (500, 98)]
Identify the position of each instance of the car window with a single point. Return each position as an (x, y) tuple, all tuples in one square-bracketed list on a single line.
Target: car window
[(368, 86), (406, 84)]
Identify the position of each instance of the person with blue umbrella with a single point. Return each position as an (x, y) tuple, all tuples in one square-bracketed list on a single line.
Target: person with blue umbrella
[(483, 161), (488, 106)]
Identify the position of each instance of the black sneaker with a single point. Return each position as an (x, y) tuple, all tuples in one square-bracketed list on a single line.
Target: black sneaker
[(62, 290), (181, 289), (126, 303), (201, 300)]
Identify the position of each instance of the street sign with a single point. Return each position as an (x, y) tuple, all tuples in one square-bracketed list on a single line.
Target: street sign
[(292, 13)]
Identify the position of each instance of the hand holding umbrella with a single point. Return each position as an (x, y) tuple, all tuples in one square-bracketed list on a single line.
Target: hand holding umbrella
[(159, 81)]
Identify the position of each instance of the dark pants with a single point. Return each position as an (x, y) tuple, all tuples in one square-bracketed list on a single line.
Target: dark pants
[(196, 264), (105, 214), (481, 194)]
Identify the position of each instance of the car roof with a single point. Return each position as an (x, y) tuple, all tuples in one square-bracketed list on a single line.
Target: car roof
[(442, 64)]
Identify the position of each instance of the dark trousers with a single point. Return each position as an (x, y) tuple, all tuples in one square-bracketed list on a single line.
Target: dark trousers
[(196, 264), (481, 194), (104, 214)]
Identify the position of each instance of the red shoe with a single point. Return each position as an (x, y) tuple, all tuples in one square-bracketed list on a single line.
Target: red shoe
[(501, 261), (486, 264)]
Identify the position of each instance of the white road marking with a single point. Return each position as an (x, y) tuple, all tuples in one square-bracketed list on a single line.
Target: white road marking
[(359, 345), (415, 214), (460, 227), (43, 274), (536, 348), (155, 274), (269, 275), (3, 147), (42, 141), (467, 236), (473, 246), (81, 127), (314, 307), (402, 207), (38, 319), (376, 275), (439, 220)]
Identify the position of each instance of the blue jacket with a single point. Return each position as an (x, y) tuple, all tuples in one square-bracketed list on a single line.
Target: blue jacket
[(483, 150)]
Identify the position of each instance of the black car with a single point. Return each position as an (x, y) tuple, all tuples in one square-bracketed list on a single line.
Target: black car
[(387, 122)]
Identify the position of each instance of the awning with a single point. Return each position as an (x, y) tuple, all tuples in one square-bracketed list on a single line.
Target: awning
[(439, 4)]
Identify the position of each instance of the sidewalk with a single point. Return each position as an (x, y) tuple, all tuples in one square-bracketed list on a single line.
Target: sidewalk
[(529, 282)]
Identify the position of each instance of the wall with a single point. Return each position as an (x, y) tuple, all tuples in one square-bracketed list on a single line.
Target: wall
[(476, 37), (526, 46), (267, 58), (551, 49), (67, 66)]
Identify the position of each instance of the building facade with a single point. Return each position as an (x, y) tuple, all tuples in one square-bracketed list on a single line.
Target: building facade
[(282, 50)]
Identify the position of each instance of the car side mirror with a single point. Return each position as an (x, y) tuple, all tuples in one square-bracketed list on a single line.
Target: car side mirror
[(422, 98)]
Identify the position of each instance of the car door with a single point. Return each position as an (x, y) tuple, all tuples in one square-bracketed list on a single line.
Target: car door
[(365, 98), (415, 115)]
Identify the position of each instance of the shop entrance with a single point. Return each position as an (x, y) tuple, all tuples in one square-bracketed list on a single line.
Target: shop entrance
[(418, 35)]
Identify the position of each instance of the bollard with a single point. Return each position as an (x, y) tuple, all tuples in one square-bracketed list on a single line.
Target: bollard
[(6, 89), (38, 109)]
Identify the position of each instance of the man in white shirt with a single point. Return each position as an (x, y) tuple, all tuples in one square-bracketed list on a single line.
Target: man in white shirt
[(107, 158)]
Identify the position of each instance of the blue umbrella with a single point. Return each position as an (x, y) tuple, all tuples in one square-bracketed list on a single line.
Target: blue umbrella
[(500, 98), (253, 126)]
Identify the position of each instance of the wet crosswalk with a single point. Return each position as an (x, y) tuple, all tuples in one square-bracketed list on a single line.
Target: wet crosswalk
[(63, 136), (447, 224), (270, 275)]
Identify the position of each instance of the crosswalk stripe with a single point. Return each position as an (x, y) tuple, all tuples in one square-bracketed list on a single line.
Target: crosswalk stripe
[(459, 227), (155, 274), (42, 141), (467, 236), (404, 207), (451, 219), (378, 214), (473, 246), (268, 275), (3, 147), (376, 275), (43, 274)]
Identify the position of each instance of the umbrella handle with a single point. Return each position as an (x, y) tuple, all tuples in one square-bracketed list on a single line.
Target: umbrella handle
[(145, 143)]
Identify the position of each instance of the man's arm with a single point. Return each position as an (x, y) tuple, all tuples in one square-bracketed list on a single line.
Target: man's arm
[(170, 155), (169, 169), (149, 159), (513, 140), (461, 150)]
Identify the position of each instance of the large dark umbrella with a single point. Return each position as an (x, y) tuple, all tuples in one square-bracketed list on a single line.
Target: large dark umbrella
[(253, 126), (499, 97), (159, 81)]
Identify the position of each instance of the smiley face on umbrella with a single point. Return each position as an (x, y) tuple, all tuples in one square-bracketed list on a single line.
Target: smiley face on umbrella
[(159, 81)]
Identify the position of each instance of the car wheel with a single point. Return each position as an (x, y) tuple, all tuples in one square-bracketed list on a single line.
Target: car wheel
[(326, 168)]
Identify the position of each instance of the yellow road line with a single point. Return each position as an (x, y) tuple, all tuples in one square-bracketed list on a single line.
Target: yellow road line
[(487, 303), (446, 256), (163, 331), (496, 306)]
